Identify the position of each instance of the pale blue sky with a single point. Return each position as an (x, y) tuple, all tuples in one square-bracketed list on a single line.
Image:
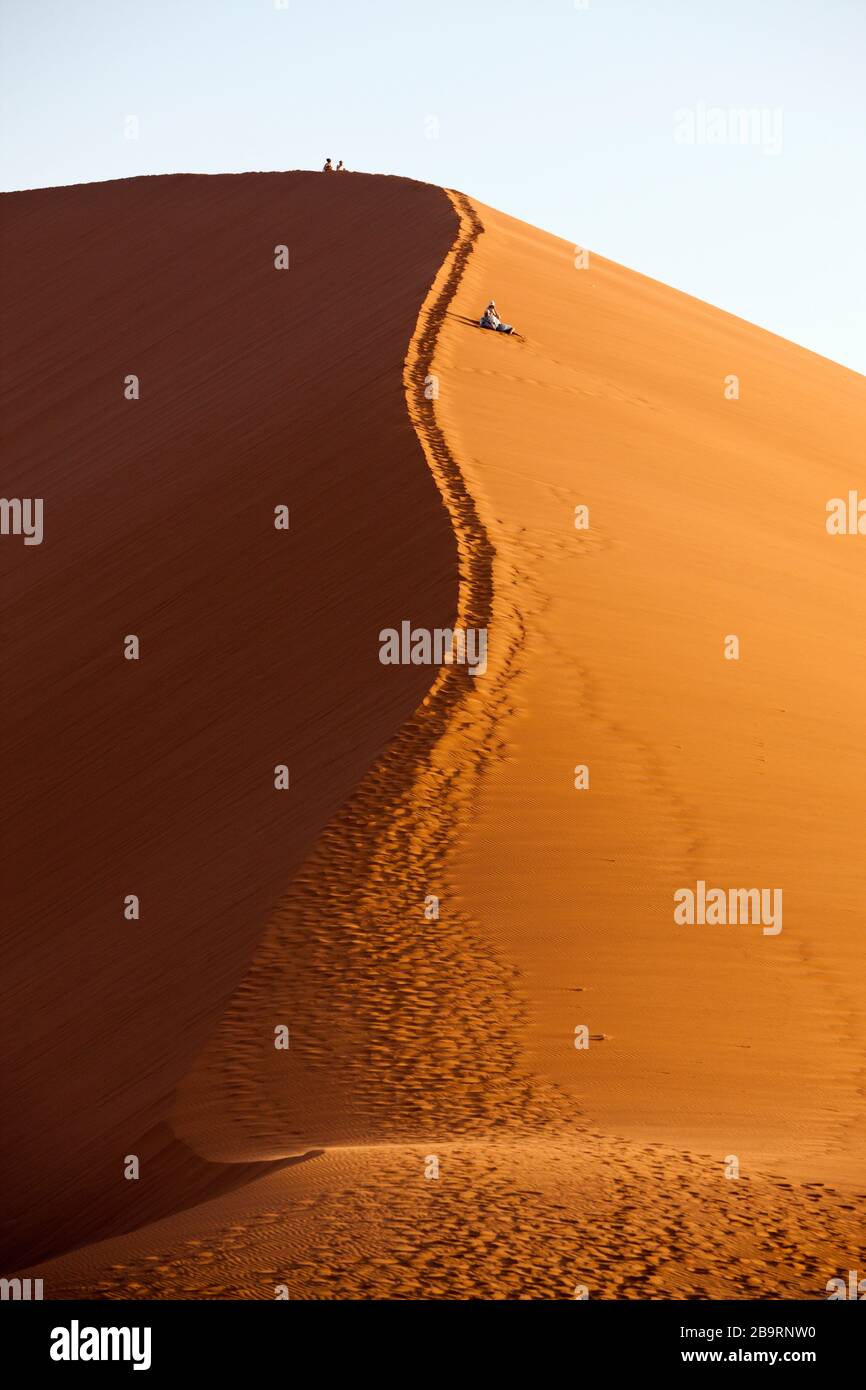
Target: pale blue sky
[(561, 115)]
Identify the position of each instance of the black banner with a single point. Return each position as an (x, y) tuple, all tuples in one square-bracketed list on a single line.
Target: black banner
[(159, 1339)]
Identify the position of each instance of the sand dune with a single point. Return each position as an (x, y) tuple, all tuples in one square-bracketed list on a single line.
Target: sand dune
[(258, 387), (706, 518), (453, 1040)]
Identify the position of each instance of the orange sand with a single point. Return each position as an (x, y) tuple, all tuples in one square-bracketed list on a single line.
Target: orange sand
[(258, 387), (707, 518), (414, 1039)]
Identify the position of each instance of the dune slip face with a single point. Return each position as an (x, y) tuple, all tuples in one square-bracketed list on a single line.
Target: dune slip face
[(182, 357)]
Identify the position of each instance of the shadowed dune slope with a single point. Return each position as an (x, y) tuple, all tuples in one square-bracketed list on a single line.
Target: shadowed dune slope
[(258, 387)]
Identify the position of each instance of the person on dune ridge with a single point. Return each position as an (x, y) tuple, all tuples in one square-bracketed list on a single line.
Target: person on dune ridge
[(328, 167), (490, 319)]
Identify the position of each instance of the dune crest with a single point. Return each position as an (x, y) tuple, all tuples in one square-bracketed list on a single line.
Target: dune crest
[(350, 956)]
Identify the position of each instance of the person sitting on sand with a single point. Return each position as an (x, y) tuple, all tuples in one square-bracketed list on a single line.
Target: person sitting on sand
[(341, 168), (329, 168), (490, 319)]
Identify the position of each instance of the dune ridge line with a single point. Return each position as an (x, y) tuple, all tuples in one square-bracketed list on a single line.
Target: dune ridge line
[(475, 549), (348, 954)]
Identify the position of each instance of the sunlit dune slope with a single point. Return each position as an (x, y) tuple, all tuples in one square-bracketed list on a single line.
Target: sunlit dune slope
[(706, 520)]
